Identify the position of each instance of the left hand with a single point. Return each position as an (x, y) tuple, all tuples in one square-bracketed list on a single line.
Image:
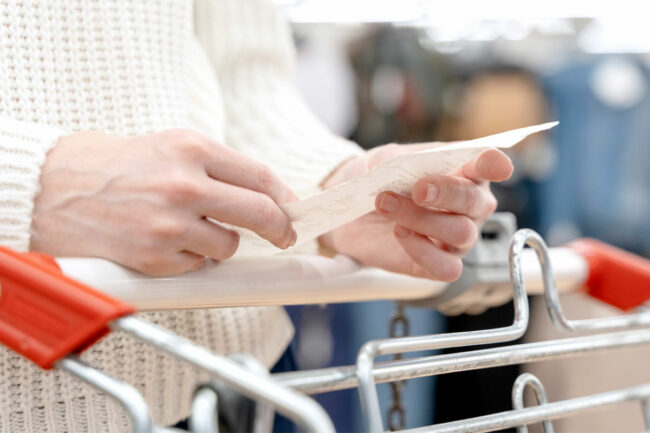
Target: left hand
[(424, 235)]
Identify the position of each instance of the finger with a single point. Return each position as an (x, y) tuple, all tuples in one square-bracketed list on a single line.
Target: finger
[(209, 239), (491, 165), (429, 261), (228, 165), (187, 261), (454, 194), (452, 229), (162, 264), (249, 209)]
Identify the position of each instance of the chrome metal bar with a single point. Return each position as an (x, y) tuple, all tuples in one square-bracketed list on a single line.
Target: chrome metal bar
[(264, 413), (559, 409), (335, 378), (529, 380), (645, 409), (370, 350), (205, 416), (298, 407), (128, 396), (554, 307)]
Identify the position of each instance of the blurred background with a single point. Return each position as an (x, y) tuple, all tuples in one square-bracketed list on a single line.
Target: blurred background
[(382, 71)]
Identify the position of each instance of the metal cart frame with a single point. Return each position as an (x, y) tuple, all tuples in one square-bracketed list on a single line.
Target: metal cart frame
[(287, 393)]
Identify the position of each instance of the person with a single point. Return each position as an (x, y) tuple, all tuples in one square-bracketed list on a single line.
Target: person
[(136, 131)]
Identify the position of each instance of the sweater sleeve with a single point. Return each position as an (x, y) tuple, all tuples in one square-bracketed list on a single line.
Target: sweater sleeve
[(250, 47), (23, 147)]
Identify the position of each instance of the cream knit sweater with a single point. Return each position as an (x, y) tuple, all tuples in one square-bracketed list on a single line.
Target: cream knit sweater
[(130, 67)]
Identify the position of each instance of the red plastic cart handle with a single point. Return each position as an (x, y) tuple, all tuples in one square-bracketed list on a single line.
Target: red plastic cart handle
[(617, 277), (45, 315)]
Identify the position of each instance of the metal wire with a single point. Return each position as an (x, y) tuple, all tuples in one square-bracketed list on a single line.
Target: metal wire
[(205, 415), (264, 413), (529, 415), (554, 307), (366, 372), (246, 377), (124, 393), (645, 410), (528, 380), (335, 378), (370, 350), (204, 418), (301, 409)]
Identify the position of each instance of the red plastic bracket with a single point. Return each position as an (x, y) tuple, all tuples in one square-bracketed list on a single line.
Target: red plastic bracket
[(617, 277), (45, 315)]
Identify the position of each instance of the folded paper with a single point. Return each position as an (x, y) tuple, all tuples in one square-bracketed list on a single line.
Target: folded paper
[(343, 203)]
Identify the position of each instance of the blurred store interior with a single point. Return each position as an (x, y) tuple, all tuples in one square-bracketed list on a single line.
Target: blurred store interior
[(382, 71)]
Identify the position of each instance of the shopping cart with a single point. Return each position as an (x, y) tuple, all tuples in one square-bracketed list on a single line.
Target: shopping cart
[(49, 313)]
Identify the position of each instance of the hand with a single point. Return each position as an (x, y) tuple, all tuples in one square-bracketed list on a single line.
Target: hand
[(424, 235), (144, 202)]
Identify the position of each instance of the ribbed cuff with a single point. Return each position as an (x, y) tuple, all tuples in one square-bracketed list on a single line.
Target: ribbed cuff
[(23, 147)]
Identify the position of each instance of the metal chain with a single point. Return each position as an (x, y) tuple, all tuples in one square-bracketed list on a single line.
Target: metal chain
[(399, 327)]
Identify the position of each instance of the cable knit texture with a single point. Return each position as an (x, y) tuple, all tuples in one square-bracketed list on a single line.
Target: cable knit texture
[(22, 152), (256, 75), (131, 67)]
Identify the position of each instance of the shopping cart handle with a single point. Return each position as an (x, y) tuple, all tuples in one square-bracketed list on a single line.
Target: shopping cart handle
[(617, 277), (45, 315)]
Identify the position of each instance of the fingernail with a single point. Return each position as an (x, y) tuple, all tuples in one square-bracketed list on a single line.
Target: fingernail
[(389, 203), (432, 193), (294, 238), (402, 232)]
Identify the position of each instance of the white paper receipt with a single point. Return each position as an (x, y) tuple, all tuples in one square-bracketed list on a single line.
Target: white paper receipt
[(350, 200)]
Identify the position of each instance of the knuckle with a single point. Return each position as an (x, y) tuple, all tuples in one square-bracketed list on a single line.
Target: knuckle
[(165, 229), (187, 142), (150, 262), (265, 178), (419, 271), (472, 199), (467, 233), (272, 223), (264, 212), (198, 262), (491, 205), (193, 150), (179, 265), (267, 215), (181, 188), (449, 269)]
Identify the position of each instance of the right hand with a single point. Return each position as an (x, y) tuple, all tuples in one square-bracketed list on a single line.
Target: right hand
[(144, 201)]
